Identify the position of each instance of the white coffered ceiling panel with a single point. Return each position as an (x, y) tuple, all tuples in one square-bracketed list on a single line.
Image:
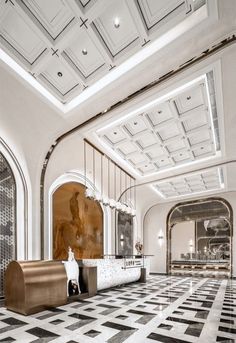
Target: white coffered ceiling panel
[(89, 37), (53, 15), (177, 131), (119, 38), (17, 34), (191, 184), (64, 82), (154, 13), (84, 55)]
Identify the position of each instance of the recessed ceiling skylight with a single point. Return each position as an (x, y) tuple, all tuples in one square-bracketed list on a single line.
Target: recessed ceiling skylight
[(191, 184), (47, 37), (171, 131)]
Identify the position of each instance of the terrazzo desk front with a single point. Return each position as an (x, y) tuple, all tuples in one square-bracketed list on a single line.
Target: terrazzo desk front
[(113, 271)]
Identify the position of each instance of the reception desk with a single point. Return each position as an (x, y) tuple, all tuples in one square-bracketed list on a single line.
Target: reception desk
[(33, 286), (113, 271)]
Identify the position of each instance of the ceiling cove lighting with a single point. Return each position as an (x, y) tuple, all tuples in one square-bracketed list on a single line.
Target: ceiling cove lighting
[(30, 79), (154, 102), (187, 24), (148, 106), (157, 187)]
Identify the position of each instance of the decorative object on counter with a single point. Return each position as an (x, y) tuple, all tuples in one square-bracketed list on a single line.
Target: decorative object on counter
[(109, 185), (72, 272), (139, 247)]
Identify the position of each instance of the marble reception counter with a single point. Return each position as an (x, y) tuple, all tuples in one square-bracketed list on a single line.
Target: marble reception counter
[(113, 271)]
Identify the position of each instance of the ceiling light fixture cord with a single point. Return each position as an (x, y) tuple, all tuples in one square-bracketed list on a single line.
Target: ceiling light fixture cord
[(101, 160), (108, 166), (94, 185), (85, 165)]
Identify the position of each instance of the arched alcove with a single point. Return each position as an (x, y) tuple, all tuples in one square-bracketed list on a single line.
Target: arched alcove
[(211, 222), (14, 210), (77, 178), (77, 223), (7, 218)]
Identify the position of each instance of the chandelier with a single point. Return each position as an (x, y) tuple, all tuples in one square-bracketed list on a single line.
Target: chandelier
[(116, 186)]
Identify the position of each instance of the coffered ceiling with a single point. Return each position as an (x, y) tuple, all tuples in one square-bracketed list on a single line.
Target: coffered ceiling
[(68, 45), (191, 184), (179, 130)]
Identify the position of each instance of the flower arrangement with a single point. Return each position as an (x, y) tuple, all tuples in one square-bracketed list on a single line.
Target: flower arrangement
[(139, 247)]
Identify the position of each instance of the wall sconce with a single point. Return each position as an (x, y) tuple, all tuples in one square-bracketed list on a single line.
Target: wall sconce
[(160, 238), (122, 240), (191, 245)]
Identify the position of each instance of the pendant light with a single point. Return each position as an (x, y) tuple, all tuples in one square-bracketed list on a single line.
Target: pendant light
[(112, 202), (88, 191)]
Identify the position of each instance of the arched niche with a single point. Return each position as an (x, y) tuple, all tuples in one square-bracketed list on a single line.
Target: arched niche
[(14, 210), (77, 222), (215, 212), (77, 177), (8, 250)]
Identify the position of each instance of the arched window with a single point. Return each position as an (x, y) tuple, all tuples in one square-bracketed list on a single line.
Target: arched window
[(7, 218)]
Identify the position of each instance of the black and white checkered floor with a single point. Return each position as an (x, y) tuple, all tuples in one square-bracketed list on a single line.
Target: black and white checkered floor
[(165, 309)]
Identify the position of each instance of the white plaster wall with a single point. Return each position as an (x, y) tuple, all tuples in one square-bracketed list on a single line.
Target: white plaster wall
[(156, 218), (29, 125)]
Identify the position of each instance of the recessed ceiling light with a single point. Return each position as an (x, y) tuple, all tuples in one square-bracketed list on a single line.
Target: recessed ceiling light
[(84, 52), (59, 74), (159, 112), (117, 22), (115, 133), (188, 97), (135, 123)]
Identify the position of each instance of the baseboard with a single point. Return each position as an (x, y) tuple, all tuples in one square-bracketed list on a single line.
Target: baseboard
[(158, 273)]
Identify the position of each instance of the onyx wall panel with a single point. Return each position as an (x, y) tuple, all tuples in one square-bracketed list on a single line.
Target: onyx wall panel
[(77, 222)]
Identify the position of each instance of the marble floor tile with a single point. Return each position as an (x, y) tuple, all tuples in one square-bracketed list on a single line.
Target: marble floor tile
[(168, 309)]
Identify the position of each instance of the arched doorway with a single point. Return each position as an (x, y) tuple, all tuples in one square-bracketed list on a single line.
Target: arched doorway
[(199, 238), (77, 222), (7, 218)]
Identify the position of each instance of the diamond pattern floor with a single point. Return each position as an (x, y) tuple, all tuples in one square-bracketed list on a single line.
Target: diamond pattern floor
[(165, 309)]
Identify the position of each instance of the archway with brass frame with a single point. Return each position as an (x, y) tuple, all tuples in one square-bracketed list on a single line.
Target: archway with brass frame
[(170, 224)]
